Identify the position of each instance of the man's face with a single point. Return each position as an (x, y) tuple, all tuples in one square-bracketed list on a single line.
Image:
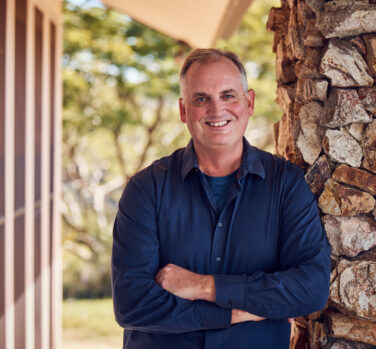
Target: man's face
[(214, 104)]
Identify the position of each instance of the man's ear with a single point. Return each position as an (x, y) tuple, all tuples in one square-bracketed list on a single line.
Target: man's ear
[(251, 101), (183, 115)]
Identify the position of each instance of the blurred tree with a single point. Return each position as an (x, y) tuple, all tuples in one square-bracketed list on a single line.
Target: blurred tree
[(120, 113)]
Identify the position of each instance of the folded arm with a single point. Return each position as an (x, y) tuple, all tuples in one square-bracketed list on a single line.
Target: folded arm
[(139, 301), (300, 286)]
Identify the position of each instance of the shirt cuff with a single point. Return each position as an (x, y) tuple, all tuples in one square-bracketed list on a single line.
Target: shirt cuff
[(229, 291), (213, 316)]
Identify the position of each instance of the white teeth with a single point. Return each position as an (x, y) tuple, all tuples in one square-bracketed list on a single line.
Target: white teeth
[(221, 123)]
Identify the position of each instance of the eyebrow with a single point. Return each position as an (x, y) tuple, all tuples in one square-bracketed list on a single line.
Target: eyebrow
[(231, 90), (199, 94)]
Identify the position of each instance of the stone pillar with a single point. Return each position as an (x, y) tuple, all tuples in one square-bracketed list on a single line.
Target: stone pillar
[(326, 71)]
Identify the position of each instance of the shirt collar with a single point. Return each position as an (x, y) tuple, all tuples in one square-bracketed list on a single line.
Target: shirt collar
[(251, 162)]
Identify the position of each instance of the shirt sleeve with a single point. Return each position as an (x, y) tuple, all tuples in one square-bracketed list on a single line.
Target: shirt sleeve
[(139, 302), (301, 286)]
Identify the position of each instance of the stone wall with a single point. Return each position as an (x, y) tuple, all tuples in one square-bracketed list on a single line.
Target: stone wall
[(326, 74)]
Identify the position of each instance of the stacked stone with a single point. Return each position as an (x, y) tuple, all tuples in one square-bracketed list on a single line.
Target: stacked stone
[(326, 74)]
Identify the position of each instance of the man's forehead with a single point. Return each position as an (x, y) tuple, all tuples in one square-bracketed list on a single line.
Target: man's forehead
[(220, 73), (212, 62)]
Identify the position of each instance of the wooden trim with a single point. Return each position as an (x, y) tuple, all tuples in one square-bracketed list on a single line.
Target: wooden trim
[(45, 185), (9, 174), (56, 260), (37, 173), (29, 180), (50, 7)]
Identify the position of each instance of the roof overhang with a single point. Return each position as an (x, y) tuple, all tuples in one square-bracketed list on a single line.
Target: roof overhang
[(199, 23)]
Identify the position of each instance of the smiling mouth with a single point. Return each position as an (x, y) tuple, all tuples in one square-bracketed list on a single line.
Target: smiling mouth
[(218, 124)]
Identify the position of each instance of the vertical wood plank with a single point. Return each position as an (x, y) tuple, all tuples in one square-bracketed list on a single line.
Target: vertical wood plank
[(19, 174), (9, 174), (56, 260), (45, 186), (37, 172), (52, 176), (29, 180), (2, 171)]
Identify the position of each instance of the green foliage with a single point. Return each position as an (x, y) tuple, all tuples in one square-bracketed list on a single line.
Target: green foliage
[(120, 81), (120, 102)]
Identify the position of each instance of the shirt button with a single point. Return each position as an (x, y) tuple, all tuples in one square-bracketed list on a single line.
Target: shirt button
[(219, 224), (218, 259)]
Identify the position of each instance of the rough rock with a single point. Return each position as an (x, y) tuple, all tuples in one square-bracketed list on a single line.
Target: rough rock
[(370, 41), (358, 42), (344, 65), (312, 36), (285, 67), (295, 35), (352, 290), (316, 5), (369, 255), (278, 17), (283, 137), (285, 143), (356, 130), (369, 147), (341, 19), (337, 199), (368, 97), (344, 107), (314, 89), (374, 213), (318, 174), (305, 13), (346, 345), (342, 147), (353, 328), (349, 236), (285, 97), (310, 137), (356, 177), (318, 337), (310, 68), (299, 336)]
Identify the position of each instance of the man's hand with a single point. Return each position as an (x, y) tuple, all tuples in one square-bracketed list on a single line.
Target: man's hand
[(186, 284), (238, 315)]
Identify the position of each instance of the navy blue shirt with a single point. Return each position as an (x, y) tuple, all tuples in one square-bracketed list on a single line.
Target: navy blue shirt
[(266, 248), (220, 187)]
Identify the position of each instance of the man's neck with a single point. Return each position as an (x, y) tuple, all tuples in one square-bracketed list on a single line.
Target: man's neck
[(219, 162)]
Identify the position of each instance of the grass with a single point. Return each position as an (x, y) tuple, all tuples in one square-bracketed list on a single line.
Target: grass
[(90, 324)]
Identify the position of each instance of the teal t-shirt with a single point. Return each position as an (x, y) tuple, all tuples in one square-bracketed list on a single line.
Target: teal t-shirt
[(220, 187)]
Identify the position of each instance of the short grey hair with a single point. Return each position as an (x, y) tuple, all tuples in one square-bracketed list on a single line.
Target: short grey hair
[(203, 55)]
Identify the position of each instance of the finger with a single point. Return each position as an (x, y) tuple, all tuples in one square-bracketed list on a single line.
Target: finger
[(290, 320), (158, 278)]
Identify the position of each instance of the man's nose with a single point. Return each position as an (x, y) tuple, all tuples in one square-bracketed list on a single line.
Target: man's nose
[(215, 106)]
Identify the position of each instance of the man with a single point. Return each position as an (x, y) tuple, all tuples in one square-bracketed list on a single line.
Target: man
[(218, 244)]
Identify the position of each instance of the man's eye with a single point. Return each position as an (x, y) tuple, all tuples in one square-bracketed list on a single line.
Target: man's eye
[(228, 96), (200, 99)]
